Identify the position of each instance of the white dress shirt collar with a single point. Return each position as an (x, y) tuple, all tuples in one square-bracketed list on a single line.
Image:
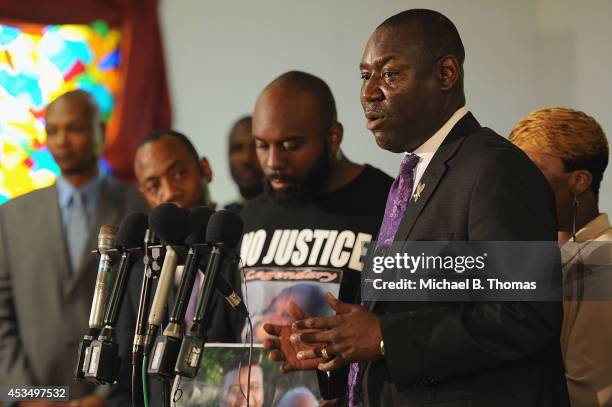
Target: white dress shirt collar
[(427, 150), (429, 147)]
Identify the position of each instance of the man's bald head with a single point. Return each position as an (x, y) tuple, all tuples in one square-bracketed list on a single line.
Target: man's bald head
[(243, 123), (437, 35), (75, 132), (297, 135), (244, 166), (299, 84), (412, 78), (85, 99)]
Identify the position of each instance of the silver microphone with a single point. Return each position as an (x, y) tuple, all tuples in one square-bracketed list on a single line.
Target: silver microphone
[(106, 241), (166, 277)]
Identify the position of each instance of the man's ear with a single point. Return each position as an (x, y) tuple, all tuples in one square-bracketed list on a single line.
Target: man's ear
[(449, 72), (334, 138), (581, 181), (99, 132), (206, 170)]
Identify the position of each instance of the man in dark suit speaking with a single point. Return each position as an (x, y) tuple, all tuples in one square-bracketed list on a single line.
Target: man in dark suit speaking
[(457, 181)]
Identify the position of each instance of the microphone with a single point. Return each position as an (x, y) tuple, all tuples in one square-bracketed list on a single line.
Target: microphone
[(166, 347), (169, 223), (224, 232), (198, 222), (103, 365), (106, 241), (231, 296), (153, 258)]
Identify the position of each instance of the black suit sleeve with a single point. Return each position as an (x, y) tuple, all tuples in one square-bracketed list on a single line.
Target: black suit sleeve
[(510, 201)]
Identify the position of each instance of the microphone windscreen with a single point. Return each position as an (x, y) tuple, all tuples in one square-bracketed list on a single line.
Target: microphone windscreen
[(106, 237), (169, 223), (132, 230), (198, 221), (224, 227), (108, 232)]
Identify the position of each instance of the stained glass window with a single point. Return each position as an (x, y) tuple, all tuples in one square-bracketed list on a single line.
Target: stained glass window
[(37, 64)]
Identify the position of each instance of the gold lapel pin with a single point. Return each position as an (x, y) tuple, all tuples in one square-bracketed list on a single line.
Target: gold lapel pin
[(417, 192)]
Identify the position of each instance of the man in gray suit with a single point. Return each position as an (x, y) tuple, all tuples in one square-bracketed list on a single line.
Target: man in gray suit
[(47, 274)]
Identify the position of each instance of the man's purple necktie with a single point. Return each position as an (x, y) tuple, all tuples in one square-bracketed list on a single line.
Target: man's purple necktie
[(397, 201)]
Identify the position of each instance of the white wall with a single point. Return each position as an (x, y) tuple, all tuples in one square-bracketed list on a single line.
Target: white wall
[(520, 55)]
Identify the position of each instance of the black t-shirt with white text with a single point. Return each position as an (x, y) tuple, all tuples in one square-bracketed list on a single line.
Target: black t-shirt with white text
[(300, 252)]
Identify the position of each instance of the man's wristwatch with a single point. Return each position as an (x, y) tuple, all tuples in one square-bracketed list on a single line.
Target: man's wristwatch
[(382, 347)]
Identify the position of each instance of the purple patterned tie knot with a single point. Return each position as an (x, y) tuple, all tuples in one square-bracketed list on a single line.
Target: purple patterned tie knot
[(408, 164), (397, 201), (398, 198)]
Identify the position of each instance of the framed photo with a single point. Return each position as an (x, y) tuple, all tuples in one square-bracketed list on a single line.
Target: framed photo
[(223, 381)]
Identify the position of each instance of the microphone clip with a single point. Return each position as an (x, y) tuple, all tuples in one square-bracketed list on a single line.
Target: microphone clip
[(190, 354), (104, 362), (164, 356)]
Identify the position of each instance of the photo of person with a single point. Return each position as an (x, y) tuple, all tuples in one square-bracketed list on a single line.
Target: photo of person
[(223, 381), (234, 390), (298, 397), (309, 297)]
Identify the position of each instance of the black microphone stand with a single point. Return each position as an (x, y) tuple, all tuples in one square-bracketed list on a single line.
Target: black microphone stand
[(153, 260), (192, 346), (103, 366)]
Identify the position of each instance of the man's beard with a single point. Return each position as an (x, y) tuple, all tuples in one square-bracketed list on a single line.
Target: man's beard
[(82, 167), (251, 189), (250, 192), (300, 190)]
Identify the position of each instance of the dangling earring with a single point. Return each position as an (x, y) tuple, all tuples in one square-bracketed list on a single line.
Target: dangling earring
[(574, 213)]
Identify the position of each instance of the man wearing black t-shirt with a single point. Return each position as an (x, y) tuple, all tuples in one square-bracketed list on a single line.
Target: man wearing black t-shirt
[(304, 236)]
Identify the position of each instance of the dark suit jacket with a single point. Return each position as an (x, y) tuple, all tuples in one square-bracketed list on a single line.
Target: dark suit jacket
[(44, 306), (478, 186)]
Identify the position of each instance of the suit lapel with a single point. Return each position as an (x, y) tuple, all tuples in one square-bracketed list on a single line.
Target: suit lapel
[(108, 212), (55, 242), (428, 183), (434, 173)]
